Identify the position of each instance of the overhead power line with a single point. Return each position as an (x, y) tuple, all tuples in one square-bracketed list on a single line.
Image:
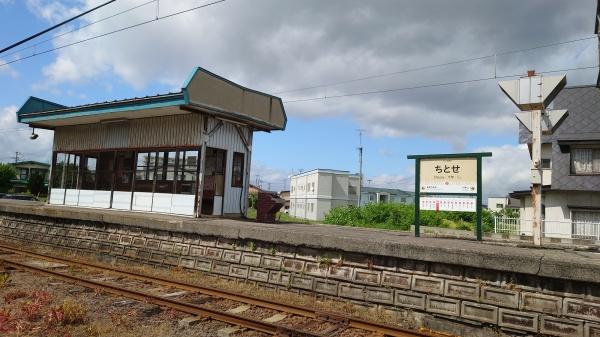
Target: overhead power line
[(54, 27), (113, 32), (79, 28), (432, 85), (438, 65)]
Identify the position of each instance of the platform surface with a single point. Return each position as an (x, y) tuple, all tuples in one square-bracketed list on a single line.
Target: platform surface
[(511, 257)]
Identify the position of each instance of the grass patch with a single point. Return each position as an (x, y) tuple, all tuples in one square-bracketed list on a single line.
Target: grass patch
[(401, 217), (280, 217)]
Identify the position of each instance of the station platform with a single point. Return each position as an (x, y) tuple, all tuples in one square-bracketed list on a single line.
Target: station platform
[(570, 264)]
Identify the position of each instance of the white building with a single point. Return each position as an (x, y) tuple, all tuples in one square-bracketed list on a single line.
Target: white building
[(314, 193), (497, 204)]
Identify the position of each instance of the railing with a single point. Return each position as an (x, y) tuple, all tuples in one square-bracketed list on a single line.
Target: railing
[(507, 225), (550, 228)]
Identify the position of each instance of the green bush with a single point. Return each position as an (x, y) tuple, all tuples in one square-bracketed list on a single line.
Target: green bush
[(391, 216), (400, 216), (7, 172)]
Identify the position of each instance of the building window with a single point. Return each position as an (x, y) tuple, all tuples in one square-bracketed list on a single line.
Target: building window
[(124, 171), (352, 190), (165, 172), (312, 188), (144, 173), (403, 200), (23, 174), (546, 163), (500, 206), (371, 197), (585, 223), (105, 169), (187, 170), (88, 174), (585, 161), (72, 172), (237, 174)]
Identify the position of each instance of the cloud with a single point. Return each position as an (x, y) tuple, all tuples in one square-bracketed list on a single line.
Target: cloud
[(6, 69), (54, 11), (269, 177), (274, 46), (507, 170), (15, 138)]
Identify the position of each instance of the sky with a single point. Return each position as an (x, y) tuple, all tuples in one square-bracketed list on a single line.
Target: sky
[(353, 49)]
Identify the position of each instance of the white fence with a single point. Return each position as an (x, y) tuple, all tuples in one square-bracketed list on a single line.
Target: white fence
[(551, 229)]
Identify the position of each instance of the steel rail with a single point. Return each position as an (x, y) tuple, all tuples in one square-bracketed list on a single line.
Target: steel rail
[(352, 322), (189, 308)]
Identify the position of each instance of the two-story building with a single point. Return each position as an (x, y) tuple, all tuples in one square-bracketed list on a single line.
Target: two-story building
[(314, 193), (25, 170), (571, 169)]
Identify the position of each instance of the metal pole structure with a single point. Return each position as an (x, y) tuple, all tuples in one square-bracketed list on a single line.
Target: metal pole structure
[(478, 227), (360, 164), (533, 94), (536, 176), (417, 197)]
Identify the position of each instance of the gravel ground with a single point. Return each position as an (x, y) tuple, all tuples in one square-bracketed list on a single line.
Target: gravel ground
[(33, 305)]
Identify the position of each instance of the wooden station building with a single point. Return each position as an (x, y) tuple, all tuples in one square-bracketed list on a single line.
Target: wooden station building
[(185, 153)]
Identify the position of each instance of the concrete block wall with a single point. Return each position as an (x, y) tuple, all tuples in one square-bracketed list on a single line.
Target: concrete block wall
[(507, 302)]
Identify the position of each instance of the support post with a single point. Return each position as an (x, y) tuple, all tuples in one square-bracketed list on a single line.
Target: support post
[(478, 229), (417, 197), (536, 176)]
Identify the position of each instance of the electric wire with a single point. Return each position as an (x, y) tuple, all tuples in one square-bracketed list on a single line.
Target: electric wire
[(79, 28), (112, 32), (29, 38), (432, 85), (431, 66)]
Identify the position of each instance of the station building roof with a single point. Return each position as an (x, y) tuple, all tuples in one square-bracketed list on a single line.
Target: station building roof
[(203, 92)]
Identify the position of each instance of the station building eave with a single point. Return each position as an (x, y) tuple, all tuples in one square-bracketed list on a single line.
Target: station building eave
[(203, 92)]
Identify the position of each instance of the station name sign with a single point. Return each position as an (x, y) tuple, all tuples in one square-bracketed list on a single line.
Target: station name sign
[(448, 175)]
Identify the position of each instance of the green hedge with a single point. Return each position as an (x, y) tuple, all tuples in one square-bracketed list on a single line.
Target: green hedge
[(401, 217)]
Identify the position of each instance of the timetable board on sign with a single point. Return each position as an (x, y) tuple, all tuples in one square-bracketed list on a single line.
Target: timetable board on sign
[(448, 175), (449, 203)]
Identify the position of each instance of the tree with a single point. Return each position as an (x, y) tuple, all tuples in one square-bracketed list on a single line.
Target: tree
[(35, 185), (7, 172)]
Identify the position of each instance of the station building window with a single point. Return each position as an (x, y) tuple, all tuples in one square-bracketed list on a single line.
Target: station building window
[(164, 171), (187, 171), (237, 175)]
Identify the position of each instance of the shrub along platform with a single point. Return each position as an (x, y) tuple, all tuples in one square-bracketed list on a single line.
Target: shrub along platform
[(459, 286)]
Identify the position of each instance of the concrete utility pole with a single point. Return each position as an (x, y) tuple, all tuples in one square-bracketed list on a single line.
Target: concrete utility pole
[(17, 154), (533, 94), (360, 164)]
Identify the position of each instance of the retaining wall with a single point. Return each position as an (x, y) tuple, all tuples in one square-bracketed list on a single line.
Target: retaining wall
[(459, 299)]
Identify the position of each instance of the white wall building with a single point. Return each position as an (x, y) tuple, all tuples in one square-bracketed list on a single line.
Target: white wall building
[(497, 204), (314, 193)]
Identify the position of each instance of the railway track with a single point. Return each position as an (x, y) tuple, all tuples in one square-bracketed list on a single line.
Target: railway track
[(283, 319)]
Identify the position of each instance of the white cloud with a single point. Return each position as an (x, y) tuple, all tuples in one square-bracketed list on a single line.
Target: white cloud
[(12, 141), (282, 45), (6, 69), (54, 11), (268, 177), (507, 170)]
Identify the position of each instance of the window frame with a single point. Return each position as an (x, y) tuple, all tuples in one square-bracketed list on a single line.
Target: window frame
[(237, 170), (593, 148)]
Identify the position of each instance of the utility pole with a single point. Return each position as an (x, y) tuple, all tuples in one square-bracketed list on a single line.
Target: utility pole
[(360, 164), (532, 94), (17, 153)]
